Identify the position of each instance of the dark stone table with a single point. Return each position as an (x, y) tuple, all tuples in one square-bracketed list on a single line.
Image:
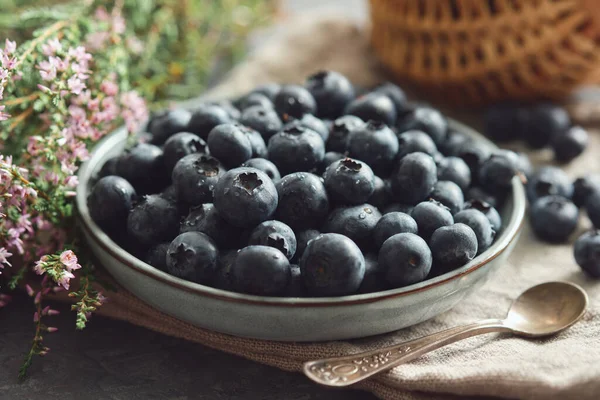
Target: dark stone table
[(115, 360)]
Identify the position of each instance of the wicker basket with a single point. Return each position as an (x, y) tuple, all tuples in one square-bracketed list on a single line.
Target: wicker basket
[(482, 51)]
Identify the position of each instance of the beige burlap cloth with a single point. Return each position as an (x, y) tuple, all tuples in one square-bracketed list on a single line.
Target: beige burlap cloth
[(566, 366)]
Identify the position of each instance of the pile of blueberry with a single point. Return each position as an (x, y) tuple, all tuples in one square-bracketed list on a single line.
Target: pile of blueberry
[(305, 191), (555, 200)]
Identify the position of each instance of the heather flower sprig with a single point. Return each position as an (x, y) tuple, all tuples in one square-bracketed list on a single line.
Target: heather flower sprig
[(68, 77)]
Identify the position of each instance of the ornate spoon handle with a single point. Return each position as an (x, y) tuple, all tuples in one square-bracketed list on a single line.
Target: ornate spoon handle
[(347, 370)]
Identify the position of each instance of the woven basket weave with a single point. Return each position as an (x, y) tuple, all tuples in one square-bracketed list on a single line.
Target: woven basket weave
[(482, 51)]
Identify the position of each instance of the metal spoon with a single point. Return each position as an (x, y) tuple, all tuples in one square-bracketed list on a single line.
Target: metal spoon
[(542, 310)]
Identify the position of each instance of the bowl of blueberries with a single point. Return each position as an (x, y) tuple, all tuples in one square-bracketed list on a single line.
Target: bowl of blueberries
[(302, 212)]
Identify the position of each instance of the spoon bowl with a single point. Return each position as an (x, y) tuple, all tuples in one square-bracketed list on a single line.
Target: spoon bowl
[(546, 309)]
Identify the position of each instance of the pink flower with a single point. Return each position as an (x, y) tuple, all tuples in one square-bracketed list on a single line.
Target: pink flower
[(51, 47), (118, 24), (3, 76), (97, 40), (109, 88), (60, 64), (134, 44), (3, 116), (101, 14), (39, 265), (4, 255), (14, 240), (80, 55), (75, 85), (8, 62), (10, 47), (64, 278), (71, 181), (69, 260)]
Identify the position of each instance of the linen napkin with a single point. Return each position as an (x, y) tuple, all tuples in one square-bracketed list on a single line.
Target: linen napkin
[(566, 366)]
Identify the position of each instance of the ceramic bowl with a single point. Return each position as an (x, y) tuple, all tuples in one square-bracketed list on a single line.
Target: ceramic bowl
[(294, 319)]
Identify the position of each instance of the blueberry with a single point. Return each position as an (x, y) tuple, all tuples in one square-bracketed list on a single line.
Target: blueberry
[(311, 122), (157, 256), (257, 143), (549, 181), (553, 218), (482, 227), (545, 122), (449, 194), (260, 270), (110, 201), (375, 144), (109, 167), (245, 197), (587, 253), (356, 222), (382, 193), (405, 259), (254, 100), (398, 207), (454, 142), (294, 101), (332, 265), (584, 187), (205, 118), (414, 178), (195, 177), (496, 173), (167, 124), (391, 224), (296, 284), (373, 106), (143, 167), (180, 145), (303, 201), (332, 92), (474, 154), (592, 206), (153, 220), (456, 170), (413, 141), (192, 256), (374, 279), (206, 219), (229, 144), (269, 89), (222, 277), (426, 119), (524, 164), (329, 158), (431, 215), (275, 234), (477, 193), (265, 166), (349, 181), (570, 144), (230, 109), (170, 194), (488, 210), (505, 122), (263, 120), (395, 93), (296, 149), (302, 239), (453, 246), (340, 132)]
